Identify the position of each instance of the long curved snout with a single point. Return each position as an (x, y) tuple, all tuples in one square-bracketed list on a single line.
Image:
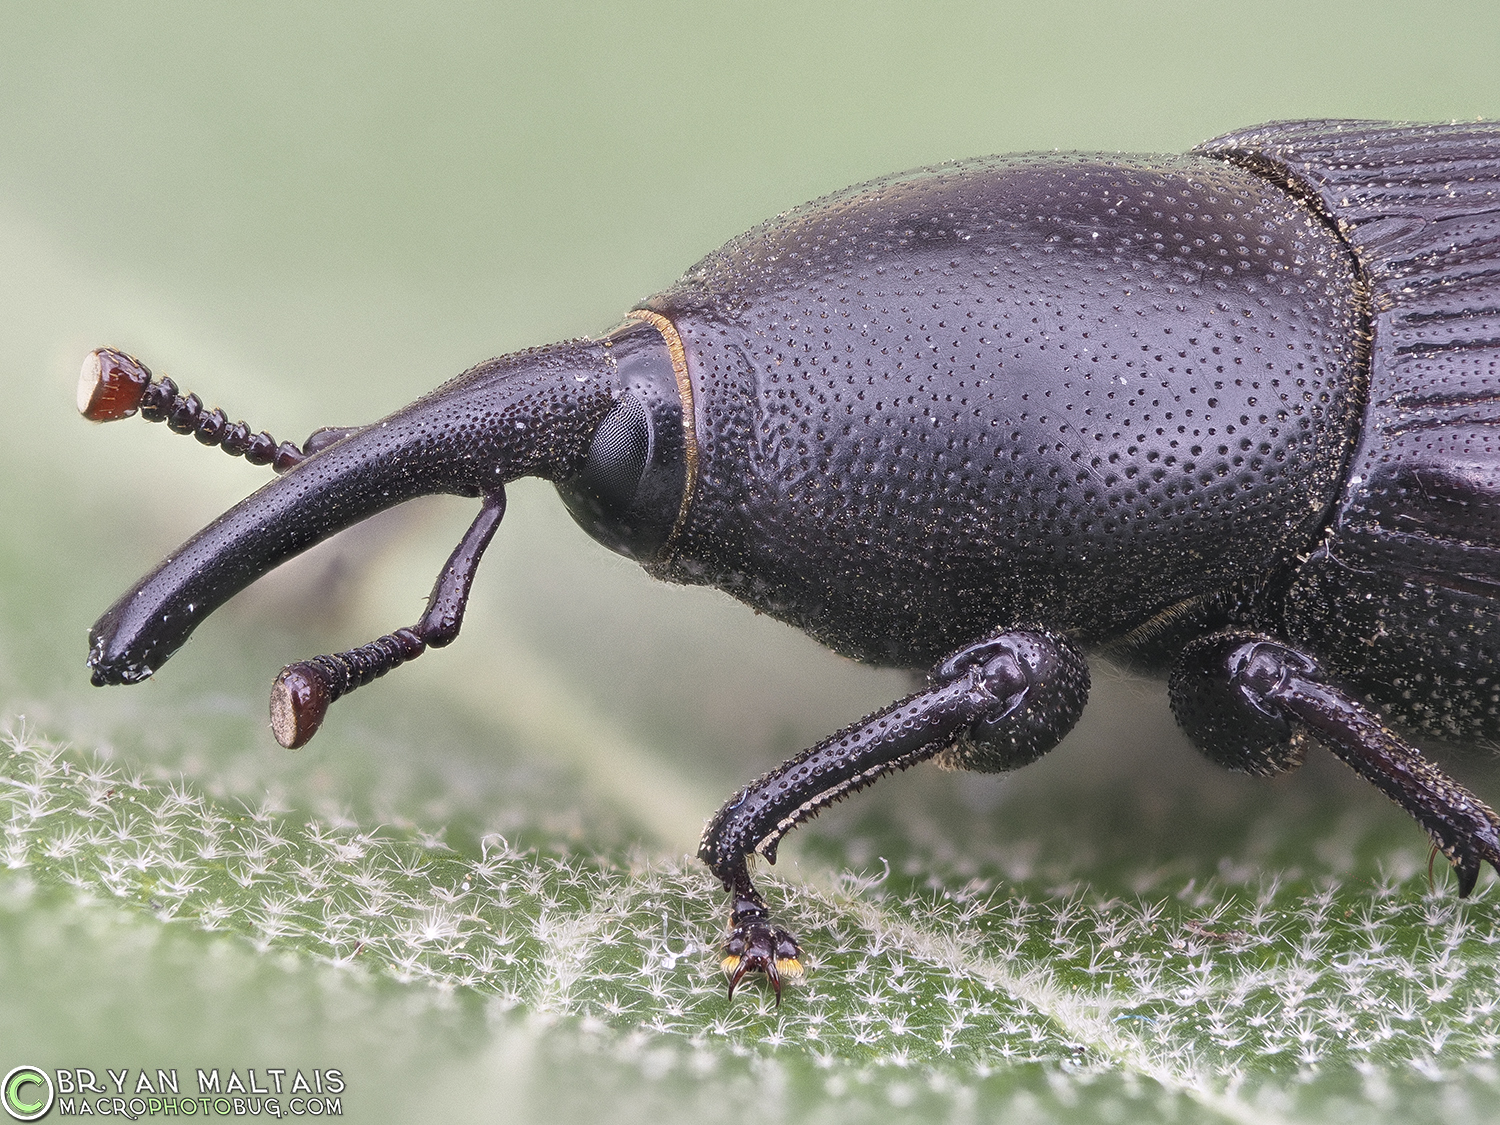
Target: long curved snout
[(532, 413)]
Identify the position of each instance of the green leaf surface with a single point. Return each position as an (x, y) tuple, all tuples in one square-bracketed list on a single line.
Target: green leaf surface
[(474, 891), (932, 984)]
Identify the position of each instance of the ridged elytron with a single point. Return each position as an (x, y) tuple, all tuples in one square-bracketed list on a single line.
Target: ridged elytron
[(1234, 416)]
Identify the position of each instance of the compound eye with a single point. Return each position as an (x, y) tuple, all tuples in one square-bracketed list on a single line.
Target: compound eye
[(618, 457), (629, 492)]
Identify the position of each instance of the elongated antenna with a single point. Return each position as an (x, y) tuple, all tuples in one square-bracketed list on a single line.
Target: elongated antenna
[(303, 692), (114, 385)]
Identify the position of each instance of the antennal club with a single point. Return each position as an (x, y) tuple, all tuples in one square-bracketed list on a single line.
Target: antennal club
[(304, 691), (114, 385)]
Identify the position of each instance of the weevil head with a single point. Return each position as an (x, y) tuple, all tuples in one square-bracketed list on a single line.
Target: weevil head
[(569, 413)]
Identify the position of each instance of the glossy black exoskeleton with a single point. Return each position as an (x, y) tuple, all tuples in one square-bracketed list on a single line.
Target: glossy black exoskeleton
[(1233, 416)]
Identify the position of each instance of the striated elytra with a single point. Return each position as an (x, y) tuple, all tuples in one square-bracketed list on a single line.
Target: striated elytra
[(1232, 416)]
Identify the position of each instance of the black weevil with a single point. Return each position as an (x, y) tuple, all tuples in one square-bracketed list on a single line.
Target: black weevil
[(1233, 416)]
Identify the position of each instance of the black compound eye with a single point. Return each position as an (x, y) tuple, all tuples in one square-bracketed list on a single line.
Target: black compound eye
[(629, 493), (617, 458)]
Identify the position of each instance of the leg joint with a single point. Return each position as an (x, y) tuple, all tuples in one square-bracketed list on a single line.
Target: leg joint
[(1038, 683)]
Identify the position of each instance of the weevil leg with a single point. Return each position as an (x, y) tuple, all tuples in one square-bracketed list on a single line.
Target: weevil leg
[(303, 692), (994, 705), (1250, 702)]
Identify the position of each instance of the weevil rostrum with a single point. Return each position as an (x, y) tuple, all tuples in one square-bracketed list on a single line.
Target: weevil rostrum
[(1232, 416)]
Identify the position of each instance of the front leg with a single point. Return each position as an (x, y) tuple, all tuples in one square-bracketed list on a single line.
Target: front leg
[(997, 705)]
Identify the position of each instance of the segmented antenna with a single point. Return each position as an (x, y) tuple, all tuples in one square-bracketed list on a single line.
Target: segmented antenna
[(304, 691), (114, 385)]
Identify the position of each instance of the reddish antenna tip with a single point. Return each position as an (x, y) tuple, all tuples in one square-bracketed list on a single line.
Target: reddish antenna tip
[(110, 385), (299, 700)]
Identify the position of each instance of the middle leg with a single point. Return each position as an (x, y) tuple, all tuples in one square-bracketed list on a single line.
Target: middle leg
[(1252, 702)]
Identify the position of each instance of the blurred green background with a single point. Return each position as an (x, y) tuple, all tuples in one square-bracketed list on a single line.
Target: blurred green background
[(310, 214)]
